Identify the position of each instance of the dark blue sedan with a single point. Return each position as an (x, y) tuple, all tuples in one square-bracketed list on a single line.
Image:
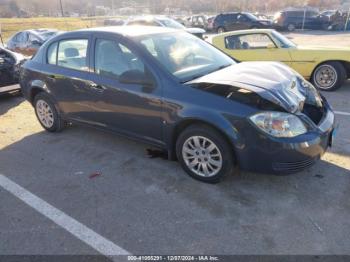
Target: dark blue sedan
[(177, 92)]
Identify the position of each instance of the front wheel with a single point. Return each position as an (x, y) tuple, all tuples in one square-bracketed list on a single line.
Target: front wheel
[(329, 76), (204, 153), (47, 114)]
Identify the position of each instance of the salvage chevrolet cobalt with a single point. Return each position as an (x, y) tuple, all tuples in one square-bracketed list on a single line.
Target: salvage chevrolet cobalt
[(177, 92)]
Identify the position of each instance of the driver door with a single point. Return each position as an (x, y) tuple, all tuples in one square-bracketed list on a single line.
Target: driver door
[(255, 47)]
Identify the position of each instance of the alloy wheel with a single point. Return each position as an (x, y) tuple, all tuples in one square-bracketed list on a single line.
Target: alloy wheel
[(44, 113), (221, 30), (202, 156), (291, 27)]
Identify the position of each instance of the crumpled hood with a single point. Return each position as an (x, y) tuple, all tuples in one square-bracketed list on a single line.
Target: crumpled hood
[(17, 56), (273, 81)]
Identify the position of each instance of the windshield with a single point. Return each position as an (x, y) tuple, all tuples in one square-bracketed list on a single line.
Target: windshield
[(284, 41), (171, 23), (185, 56)]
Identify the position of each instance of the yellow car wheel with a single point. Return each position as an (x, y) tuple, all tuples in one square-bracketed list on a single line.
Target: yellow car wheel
[(329, 76)]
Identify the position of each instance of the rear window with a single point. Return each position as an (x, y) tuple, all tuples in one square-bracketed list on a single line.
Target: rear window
[(73, 54)]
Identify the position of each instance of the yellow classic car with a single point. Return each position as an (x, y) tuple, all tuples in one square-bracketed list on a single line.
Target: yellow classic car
[(327, 68)]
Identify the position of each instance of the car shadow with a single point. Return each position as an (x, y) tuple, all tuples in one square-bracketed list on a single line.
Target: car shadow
[(9, 100)]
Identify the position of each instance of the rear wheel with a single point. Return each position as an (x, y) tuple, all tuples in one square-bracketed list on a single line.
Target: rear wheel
[(47, 114), (329, 76), (204, 153), (221, 30), (291, 27)]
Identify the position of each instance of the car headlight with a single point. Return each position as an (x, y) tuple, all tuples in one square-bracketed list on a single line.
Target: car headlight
[(279, 124), (311, 94)]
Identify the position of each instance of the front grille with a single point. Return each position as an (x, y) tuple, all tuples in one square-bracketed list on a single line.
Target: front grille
[(293, 167)]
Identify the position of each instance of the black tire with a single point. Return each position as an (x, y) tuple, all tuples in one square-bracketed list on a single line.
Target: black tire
[(221, 30), (58, 123), (291, 27), (341, 76), (223, 146)]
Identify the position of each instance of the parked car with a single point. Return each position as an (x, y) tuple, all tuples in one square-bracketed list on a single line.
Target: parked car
[(237, 21), (327, 68), (210, 26), (199, 21), (327, 15), (113, 22), (10, 64), (177, 92), (340, 21), (29, 41), (164, 21), (291, 20)]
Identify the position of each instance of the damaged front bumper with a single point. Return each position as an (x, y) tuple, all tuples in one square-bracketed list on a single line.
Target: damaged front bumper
[(266, 154)]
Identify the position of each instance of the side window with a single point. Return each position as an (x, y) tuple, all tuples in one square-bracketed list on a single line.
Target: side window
[(16, 37), (149, 44), (22, 37), (251, 41), (242, 18), (52, 54), (73, 54), (231, 17), (113, 59)]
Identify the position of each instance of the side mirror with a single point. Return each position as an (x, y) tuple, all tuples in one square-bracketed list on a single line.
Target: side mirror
[(136, 77), (271, 46)]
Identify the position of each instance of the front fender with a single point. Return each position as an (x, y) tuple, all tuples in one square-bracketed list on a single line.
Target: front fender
[(218, 121)]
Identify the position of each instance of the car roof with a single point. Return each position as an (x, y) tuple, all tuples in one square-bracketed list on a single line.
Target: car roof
[(129, 31), (227, 13)]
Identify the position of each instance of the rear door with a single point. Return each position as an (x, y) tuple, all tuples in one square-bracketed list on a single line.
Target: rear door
[(243, 22), (230, 22), (133, 109), (255, 47), (66, 73)]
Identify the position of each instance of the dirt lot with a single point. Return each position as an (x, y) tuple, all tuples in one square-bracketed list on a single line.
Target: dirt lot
[(150, 206)]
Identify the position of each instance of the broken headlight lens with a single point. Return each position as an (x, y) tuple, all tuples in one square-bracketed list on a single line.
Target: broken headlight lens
[(279, 124), (311, 94)]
